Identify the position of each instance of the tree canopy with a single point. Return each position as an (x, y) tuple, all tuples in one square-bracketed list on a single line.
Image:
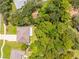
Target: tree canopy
[(75, 3), (5, 8), (54, 32), (55, 35)]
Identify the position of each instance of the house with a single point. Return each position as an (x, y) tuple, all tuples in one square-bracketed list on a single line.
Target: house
[(35, 14), (23, 34), (19, 3), (17, 54), (74, 12)]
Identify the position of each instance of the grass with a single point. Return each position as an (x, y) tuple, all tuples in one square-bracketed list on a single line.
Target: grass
[(10, 45), (0, 45), (1, 28), (76, 53), (33, 37), (11, 29), (14, 45)]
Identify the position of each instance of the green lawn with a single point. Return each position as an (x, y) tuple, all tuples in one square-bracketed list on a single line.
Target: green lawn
[(0, 45), (33, 37), (9, 46), (76, 53), (13, 45), (11, 29), (1, 28)]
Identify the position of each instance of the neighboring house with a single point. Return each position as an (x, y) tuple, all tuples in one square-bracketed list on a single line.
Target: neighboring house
[(74, 12), (19, 3), (17, 54), (75, 16), (23, 34), (35, 14)]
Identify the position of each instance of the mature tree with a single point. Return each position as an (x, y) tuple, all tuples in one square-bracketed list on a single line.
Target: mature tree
[(24, 47), (75, 22), (75, 3), (23, 16), (55, 33), (5, 8)]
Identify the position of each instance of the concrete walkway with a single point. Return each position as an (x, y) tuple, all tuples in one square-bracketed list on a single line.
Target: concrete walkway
[(8, 37)]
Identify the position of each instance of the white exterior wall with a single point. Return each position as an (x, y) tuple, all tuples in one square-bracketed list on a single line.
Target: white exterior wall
[(31, 31)]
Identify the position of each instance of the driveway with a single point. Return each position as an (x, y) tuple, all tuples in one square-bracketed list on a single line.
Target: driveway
[(8, 37)]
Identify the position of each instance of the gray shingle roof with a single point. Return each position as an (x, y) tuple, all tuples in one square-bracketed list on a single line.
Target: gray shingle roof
[(19, 3), (16, 54), (23, 34)]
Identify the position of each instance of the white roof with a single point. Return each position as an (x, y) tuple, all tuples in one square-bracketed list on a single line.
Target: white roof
[(19, 3)]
